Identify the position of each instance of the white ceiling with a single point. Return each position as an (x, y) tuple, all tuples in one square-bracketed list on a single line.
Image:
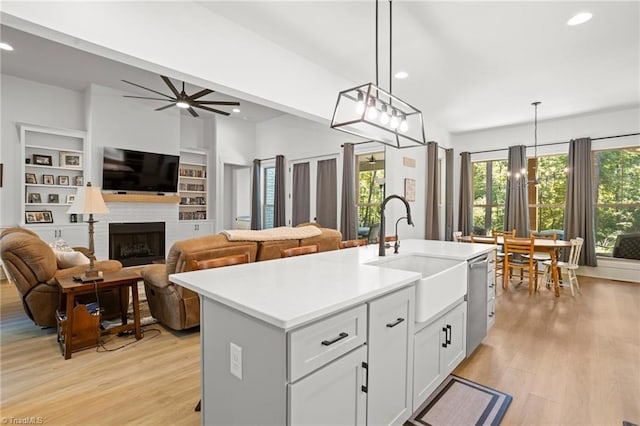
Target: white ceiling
[(472, 65)]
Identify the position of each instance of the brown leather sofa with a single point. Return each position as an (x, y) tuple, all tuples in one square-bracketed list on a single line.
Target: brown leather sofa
[(179, 308), (32, 266)]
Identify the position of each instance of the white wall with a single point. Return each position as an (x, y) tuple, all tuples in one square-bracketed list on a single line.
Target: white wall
[(24, 101)]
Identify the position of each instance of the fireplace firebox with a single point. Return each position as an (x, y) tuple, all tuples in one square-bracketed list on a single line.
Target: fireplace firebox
[(136, 243)]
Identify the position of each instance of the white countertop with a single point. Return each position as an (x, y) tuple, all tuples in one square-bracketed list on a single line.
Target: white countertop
[(290, 292)]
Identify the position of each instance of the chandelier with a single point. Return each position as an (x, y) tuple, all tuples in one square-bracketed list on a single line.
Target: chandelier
[(373, 113)]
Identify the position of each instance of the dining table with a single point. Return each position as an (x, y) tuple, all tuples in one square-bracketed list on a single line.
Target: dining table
[(540, 245)]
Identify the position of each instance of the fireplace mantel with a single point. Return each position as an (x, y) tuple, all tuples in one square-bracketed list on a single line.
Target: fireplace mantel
[(140, 198)]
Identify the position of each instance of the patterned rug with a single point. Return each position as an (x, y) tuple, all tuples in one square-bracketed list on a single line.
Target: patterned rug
[(458, 401)]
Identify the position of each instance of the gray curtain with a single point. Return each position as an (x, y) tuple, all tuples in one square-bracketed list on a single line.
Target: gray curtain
[(348, 216), (432, 225), (465, 205), (578, 213), (516, 212), (279, 218), (448, 210), (300, 194), (327, 194), (256, 216)]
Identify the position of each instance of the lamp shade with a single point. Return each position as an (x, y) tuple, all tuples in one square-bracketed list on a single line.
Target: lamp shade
[(89, 201)]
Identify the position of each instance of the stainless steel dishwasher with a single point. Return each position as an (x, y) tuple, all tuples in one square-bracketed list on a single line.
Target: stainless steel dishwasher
[(476, 301)]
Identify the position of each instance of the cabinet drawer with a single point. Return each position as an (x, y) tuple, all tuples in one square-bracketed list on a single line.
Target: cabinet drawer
[(491, 262), (491, 286), (491, 313), (313, 346)]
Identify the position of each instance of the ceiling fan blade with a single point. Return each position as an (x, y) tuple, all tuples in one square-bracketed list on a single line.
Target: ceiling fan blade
[(146, 88), (200, 94), (143, 97), (218, 103), (171, 86), (192, 112), (165, 107), (211, 109)]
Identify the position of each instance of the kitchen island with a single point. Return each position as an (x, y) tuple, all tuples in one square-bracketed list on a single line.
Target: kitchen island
[(325, 338)]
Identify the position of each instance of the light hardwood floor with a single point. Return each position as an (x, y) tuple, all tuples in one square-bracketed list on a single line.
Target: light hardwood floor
[(564, 360)]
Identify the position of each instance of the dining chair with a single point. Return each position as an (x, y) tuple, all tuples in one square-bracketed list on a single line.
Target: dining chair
[(353, 243), (514, 248), (568, 267), (543, 256), (500, 251), (235, 259), (297, 251)]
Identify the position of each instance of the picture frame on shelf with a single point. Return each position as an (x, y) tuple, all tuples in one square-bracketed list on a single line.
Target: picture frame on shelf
[(30, 178), (54, 198), (42, 160), (47, 179), (40, 216), (78, 181), (63, 180), (72, 160), (71, 198), (34, 197)]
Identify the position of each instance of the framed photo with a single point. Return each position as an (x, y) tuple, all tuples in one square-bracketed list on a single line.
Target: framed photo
[(78, 181), (63, 180), (72, 160), (30, 178), (42, 216), (34, 197), (410, 189), (71, 198), (47, 179), (42, 160), (54, 198)]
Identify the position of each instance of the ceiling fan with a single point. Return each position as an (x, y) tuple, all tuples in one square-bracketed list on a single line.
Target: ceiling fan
[(182, 100)]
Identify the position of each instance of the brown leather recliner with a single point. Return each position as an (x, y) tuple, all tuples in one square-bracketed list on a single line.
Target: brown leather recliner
[(32, 266)]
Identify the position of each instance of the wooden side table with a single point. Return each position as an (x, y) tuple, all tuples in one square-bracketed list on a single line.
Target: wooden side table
[(78, 333)]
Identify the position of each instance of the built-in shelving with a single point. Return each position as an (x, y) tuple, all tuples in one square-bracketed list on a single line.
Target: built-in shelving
[(192, 185)]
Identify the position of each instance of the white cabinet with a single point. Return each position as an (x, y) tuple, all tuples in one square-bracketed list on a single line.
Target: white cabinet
[(438, 348), (333, 395), (75, 236), (191, 229), (390, 341), (192, 185), (54, 165)]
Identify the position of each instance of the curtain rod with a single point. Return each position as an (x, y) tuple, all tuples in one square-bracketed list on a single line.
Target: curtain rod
[(266, 159), (553, 143)]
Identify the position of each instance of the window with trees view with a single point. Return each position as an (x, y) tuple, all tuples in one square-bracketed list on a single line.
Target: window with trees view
[(616, 175), (268, 206), (370, 178)]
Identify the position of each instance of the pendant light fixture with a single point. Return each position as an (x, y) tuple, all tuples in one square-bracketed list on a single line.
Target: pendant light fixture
[(535, 143), (373, 113)]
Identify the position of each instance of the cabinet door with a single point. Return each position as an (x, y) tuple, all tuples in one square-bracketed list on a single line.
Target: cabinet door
[(390, 353), (428, 351), (455, 325), (75, 236), (491, 313), (332, 395)]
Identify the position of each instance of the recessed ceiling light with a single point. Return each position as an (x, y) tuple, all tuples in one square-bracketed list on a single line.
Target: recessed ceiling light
[(236, 110), (6, 46), (400, 75), (580, 18)]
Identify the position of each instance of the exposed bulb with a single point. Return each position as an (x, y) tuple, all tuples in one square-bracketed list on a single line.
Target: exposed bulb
[(384, 116), (517, 175), (394, 120), (360, 103), (404, 126), (523, 171), (508, 174), (372, 111)]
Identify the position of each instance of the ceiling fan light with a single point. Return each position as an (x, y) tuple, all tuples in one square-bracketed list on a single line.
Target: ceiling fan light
[(182, 104)]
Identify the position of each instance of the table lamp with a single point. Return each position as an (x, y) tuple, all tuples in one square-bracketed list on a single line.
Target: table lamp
[(89, 201)]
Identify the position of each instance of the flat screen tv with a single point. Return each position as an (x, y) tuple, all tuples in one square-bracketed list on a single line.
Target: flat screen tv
[(127, 170)]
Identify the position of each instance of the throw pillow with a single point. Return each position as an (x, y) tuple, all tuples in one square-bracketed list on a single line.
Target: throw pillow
[(69, 259)]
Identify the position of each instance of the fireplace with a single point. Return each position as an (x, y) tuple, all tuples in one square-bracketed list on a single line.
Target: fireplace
[(136, 243)]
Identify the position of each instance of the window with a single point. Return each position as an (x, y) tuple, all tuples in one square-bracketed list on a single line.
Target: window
[(489, 192), (547, 198), (616, 175), (268, 205), (370, 181)]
